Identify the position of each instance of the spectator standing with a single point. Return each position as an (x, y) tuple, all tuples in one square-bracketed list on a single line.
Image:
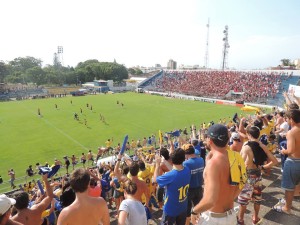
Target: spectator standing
[(83, 159), (131, 211), (85, 209), (196, 166), (216, 206), (33, 215), (254, 154), (30, 171), (12, 175), (237, 143), (67, 163), (177, 183), (291, 170), (90, 157), (6, 205)]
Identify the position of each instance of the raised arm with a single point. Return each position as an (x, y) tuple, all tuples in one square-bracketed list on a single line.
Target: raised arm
[(287, 98), (47, 200), (117, 167), (171, 144), (157, 167)]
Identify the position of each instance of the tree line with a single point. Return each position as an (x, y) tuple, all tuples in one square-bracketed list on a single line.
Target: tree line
[(29, 70)]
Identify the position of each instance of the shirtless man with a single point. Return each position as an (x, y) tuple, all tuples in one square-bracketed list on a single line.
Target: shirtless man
[(142, 188), (85, 210), (216, 206), (6, 205), (90, 157), (254, 154), (291, 175), (237, 142), (33, 215), (83, 159)]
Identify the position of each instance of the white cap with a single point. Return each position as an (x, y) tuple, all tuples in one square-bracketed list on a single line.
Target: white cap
[(5, 203), (235, 136)]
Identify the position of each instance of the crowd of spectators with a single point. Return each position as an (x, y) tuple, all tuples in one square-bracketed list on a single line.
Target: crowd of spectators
[(171, 166), (217, 84)]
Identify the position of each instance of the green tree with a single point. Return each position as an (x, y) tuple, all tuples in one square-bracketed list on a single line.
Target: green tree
[(131, 71), (24, 63), (285, 62), (138, 71), (4, 71), (36, 75), (89, 70)]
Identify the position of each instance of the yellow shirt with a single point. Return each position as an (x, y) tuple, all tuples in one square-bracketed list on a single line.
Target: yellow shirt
[(108, 143), (271, 147), (266, 130), (146, 175), (238, 175), (133, 144)]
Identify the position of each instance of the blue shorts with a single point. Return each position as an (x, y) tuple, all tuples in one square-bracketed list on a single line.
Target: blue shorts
[(290, 174)]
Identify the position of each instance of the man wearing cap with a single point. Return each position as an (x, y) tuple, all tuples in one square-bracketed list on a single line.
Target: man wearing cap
[(33, 215), (196, 166), (237, 144), (216, 206), (5, 210)]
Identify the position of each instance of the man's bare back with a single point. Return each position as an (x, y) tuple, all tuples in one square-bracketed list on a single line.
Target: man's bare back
[(33, 215), (85, 210), (142, 188), (29, 217)]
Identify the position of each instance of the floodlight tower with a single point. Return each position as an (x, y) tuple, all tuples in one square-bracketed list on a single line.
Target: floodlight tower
[(206, 57), (225, 49), (60, 52)]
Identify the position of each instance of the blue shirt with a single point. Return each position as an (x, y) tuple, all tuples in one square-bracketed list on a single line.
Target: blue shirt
[(177, 185), (196, 166), (197, 150)]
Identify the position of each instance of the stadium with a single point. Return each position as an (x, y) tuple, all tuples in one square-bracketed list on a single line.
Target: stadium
[(39, 126)]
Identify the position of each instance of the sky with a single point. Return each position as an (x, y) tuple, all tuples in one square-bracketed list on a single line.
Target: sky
[(145, 33)]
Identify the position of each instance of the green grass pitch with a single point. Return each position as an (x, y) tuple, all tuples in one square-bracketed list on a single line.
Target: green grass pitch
[(27, 138)]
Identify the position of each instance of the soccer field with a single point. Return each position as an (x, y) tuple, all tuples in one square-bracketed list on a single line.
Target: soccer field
[(27, 138)]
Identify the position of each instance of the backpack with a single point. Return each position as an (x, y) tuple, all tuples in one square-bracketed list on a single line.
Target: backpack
[(259, 155)]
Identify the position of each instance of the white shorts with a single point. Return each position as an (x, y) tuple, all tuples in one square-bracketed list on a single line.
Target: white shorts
[(211, 218)]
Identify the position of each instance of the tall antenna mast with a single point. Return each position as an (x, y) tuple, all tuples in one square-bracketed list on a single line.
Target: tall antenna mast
[(225, 49), (206, 58)]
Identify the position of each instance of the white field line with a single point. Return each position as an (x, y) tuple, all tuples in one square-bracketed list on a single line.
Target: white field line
[(59, 130)]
